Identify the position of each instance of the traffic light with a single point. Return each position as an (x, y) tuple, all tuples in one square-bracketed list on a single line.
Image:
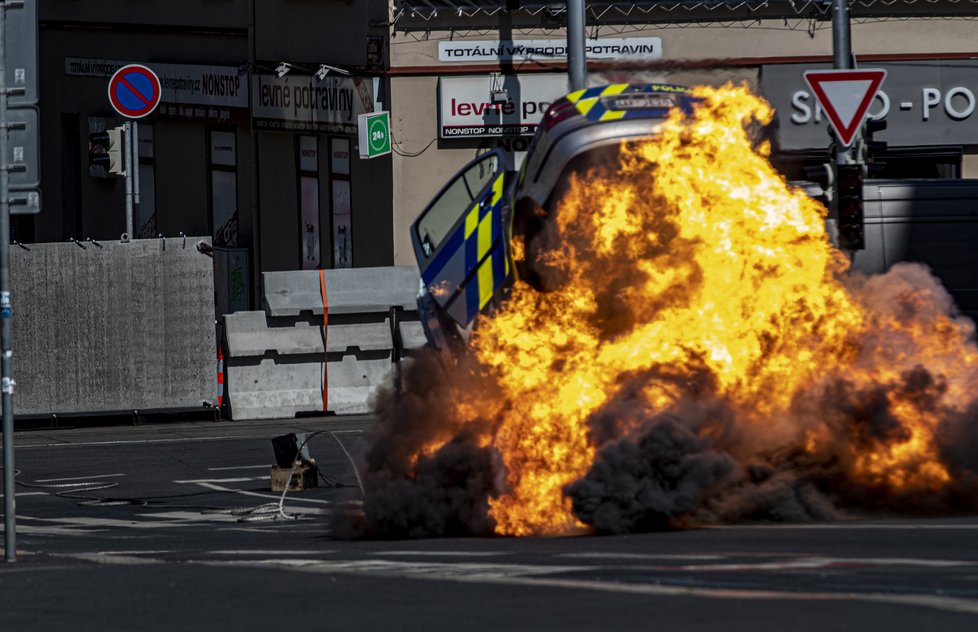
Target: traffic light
[(105, 150), (850, 207), (870, 151), (824, 176)]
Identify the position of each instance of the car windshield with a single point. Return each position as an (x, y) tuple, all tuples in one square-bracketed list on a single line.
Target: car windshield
[(457, 198)]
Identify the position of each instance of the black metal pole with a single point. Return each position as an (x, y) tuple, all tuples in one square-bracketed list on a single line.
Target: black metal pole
[(9, 504), (253, 165), (576, 56), (841, 57)]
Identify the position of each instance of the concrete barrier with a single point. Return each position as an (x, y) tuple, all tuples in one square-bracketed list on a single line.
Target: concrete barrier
[(412, 335), (349, 291), (277, 364), (111, 327)]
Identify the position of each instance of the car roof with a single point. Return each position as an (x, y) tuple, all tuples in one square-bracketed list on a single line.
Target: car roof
[(611, 102), (590, 118)]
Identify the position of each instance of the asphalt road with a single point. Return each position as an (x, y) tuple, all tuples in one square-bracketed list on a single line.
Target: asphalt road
[(173, 527)]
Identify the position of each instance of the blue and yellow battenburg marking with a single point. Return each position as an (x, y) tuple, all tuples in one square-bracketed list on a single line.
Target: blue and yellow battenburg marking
[(484, 252), (589, 101), (477, 245)]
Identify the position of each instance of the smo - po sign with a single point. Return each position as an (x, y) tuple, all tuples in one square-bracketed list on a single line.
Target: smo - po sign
[(924, 103), (466, 108)]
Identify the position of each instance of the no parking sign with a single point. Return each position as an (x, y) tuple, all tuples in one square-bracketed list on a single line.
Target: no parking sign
[(134, 91)]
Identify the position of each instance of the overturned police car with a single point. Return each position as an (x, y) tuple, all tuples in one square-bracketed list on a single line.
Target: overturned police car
[(463, 238)]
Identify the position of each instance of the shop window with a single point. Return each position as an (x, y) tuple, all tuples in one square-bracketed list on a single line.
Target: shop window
[(309, 202), (224, 188), (342, 203)]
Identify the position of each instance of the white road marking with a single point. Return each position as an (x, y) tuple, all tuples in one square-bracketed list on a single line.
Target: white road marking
[(25, 529), (240, 467), (121, 560), (433, 570), (445, 553), (139, 524), (949, 604), (271, 552), (24, 525), (837, 525), (822, 562), (77, 478), (203, 516), (137, 552), (176, 440), (261, 495), (224, 480), (143, 441), (517, 575), (16, 494), (639, 556)]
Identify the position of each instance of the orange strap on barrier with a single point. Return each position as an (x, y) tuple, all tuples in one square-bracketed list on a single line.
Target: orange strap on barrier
[(322, 291)]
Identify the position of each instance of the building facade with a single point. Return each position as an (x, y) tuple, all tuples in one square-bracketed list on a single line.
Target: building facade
[(446, 56), (255, 141)]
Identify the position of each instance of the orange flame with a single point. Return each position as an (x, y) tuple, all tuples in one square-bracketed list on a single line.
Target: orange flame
[(692, 253)]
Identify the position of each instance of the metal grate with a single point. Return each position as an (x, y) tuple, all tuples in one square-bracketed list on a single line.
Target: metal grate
[(480, 14)]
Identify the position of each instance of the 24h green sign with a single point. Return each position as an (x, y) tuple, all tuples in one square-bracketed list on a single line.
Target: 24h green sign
[(375, 134)]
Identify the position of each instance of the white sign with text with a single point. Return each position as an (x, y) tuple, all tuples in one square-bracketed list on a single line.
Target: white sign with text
[(462, 51), (495, 105)]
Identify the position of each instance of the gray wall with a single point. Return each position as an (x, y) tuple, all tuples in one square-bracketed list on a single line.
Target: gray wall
[(113, 328)]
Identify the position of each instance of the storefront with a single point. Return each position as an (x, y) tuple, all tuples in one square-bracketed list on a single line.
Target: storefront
[(330, 202)]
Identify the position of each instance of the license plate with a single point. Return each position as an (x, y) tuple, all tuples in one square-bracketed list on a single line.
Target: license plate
[(639, 102)]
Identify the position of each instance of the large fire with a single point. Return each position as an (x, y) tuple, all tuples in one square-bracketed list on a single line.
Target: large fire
[(707, 358)]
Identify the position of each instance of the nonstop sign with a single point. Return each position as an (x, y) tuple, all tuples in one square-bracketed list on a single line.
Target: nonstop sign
[(466, 109), (924, 103), (545, 50), (186, 91)]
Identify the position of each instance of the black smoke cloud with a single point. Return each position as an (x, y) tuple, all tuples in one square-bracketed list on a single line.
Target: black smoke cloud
[(439, 495), (701, 461), (685, 466)]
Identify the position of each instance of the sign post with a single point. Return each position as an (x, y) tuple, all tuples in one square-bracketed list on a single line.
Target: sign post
[(134, 92), (374, 131)]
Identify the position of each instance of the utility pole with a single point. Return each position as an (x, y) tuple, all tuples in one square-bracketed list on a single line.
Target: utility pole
[(847, 198), (253, 164), (9, 505), (576, 56)]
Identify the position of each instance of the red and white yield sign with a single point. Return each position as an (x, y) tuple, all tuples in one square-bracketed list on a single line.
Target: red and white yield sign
[(134, 91), (845, 95)]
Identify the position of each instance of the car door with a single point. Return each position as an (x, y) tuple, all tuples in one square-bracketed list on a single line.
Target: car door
[(459, 239)]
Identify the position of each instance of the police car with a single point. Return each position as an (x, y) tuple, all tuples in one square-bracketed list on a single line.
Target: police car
[(462, 239)]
